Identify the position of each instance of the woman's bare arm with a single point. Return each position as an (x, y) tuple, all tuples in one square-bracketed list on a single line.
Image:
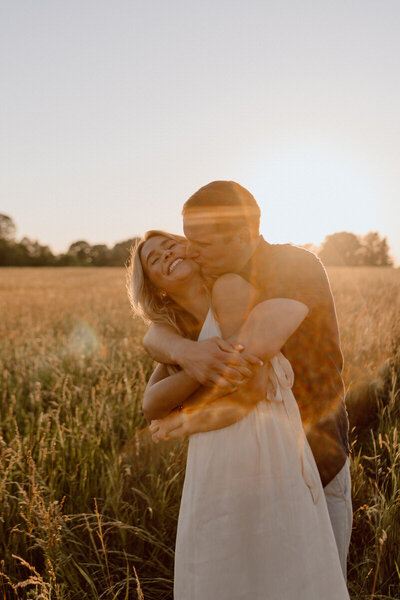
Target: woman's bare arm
[(164, 392), (203, 412)]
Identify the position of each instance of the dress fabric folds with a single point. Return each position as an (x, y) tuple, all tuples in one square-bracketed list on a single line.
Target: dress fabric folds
[(253, 522)]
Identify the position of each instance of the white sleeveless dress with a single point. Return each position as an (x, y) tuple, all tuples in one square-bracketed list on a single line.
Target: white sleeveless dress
[(253, 522)]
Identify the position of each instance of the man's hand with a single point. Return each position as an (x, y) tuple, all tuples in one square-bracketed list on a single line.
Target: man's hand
[(163, 429), (207, 362), (207, 411), (217, 362)]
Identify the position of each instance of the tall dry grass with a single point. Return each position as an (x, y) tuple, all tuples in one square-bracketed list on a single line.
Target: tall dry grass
[(88, 505)]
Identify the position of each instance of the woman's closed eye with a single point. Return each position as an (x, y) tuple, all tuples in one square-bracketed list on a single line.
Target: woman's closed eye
[(157, 258)]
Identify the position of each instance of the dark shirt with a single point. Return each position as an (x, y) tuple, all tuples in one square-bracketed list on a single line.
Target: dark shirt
[(286, 271)]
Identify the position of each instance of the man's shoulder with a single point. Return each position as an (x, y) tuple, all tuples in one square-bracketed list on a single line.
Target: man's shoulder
[(291, 250), (290, 267), (290, 254)]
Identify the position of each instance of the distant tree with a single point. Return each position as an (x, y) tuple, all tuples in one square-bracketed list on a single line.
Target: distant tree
[(7, 228), (6, 253), (81, 252), (100, 255), (375, 250), (34, 254), (67, 260), (342, 248), (29, 252), (121, 251)]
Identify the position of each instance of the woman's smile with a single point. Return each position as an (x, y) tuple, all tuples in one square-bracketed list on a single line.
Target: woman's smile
[(174, 264), (165, 262)]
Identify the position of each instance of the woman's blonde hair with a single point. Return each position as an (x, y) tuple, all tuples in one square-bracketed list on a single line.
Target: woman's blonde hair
[(145, 298)]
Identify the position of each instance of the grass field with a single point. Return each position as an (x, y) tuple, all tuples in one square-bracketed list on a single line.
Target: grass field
[(88, 505)]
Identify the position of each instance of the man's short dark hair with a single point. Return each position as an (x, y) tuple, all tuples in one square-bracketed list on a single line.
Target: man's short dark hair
[(238, 206)]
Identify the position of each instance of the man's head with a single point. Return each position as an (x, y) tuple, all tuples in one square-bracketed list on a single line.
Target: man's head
[(221, 222)]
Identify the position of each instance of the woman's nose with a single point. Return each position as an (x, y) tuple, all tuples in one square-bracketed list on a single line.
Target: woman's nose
[(167, 254)]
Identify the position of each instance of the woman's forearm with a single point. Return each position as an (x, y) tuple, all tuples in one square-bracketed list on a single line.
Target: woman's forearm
[(165, 395)]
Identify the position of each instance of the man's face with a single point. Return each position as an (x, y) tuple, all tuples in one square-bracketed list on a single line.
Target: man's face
[(215, 253)]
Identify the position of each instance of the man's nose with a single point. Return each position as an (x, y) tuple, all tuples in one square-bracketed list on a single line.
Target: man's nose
[(191, 251)]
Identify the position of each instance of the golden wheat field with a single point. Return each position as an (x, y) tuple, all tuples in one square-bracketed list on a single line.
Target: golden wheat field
[(88, 505)]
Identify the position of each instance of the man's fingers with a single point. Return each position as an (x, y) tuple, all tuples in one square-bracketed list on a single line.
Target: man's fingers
[(161, 435), (245, 371), (223, 384), (224, 345), (252, 359), (233, 375), (234, 359), (164, 426), (171, 424), (154, 426), (237, 354), (179, 431)]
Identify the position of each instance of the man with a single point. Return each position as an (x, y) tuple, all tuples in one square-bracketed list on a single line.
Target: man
[(294, 313)]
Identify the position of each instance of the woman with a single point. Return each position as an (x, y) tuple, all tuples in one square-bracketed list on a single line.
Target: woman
[(253, 522)]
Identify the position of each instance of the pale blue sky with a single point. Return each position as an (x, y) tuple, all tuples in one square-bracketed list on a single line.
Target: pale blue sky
[(113, 113)]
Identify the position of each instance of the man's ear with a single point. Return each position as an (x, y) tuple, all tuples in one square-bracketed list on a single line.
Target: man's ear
[(244, 235)]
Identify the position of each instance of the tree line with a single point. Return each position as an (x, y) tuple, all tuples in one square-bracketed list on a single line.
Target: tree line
[(342, 248), (30, 253)]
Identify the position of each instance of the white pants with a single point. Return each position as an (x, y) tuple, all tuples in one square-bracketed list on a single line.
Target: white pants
[(338, 499)]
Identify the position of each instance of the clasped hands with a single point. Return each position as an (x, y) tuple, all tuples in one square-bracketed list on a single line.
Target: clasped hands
[(223, 369)]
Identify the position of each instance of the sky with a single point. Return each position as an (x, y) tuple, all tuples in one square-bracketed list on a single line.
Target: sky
[(114, 113)]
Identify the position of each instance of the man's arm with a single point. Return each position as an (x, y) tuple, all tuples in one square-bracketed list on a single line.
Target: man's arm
[(204, 412), (200, 413), (267, 327), (212, 361), (270, 324), (209, 417), (261, 328), (164, 392), (303, 284)]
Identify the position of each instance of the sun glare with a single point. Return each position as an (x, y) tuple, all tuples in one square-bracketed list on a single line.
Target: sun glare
[(307, 193)]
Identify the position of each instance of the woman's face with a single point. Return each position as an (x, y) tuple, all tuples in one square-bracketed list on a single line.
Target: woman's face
[(165, 263)]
